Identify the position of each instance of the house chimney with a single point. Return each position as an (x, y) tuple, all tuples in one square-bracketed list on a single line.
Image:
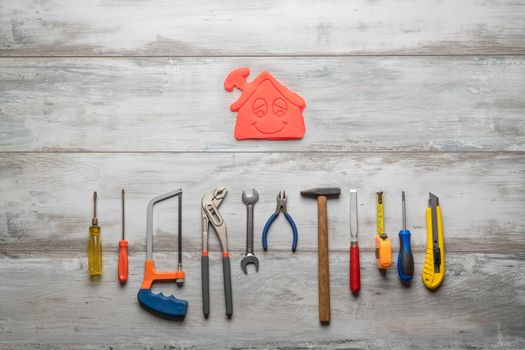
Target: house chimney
[(237, 79)]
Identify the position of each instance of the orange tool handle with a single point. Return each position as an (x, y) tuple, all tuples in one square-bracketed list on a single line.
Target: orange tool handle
[(150, 275), (123, 261), (355, 273)]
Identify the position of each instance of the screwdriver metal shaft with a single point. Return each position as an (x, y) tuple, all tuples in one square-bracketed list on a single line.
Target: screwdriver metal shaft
[(404, 210), (123, 218)]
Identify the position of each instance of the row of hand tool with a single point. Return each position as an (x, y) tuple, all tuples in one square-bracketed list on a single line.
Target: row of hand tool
[(434, 267), (170, 307)]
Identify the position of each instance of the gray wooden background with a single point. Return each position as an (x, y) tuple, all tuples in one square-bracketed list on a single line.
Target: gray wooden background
[(425, 95)]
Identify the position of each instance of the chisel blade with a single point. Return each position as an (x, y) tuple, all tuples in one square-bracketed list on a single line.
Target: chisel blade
[(353, 216)]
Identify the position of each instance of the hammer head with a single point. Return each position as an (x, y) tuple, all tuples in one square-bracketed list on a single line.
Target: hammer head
[(329, 192)]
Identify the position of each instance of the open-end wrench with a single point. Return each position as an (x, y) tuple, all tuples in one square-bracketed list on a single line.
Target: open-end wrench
[(249, 256)]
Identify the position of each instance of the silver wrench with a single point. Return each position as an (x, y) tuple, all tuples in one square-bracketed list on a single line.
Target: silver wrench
[(249, 256)]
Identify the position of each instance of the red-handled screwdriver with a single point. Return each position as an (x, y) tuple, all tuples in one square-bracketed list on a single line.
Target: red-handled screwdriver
[(123, 252), (355, 273)]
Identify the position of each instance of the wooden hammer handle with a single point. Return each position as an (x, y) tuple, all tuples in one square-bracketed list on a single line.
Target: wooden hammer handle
[(322, 251)]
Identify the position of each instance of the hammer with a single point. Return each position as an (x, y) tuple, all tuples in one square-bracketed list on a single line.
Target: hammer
[(322, 195)]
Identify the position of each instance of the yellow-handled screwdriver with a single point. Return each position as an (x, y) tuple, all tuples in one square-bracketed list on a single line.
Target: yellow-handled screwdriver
[(94, 245)]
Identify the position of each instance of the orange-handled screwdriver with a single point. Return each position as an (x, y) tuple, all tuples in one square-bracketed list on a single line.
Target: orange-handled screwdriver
[(123, 252)]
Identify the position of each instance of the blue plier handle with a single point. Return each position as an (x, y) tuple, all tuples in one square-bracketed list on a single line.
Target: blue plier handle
[(281, 206)]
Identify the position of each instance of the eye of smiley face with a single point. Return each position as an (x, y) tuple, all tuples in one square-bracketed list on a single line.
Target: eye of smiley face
[(260, 107), (279, 107)]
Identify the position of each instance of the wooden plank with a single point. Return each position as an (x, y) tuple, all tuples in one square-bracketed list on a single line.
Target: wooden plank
[(297, 27), (52, 304), (353, 104), (46, 198)]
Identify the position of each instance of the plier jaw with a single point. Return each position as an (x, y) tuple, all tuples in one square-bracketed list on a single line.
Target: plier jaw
[(210, 215), (218, 195), (281, 202)]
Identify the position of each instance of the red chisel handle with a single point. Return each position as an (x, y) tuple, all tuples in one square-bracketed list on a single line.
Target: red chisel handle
[(355, 274), (123, 261)]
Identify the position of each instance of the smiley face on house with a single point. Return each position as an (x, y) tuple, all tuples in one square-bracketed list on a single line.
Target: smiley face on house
[(266, 109)]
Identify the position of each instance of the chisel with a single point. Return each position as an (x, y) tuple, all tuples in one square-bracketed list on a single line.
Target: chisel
[(355, 273), (434, 269), (405, 259)]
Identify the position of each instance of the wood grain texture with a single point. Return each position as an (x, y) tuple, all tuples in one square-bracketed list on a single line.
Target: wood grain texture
[(269, 27), (53, 304), (354, 104), (46, 198), (401, 95), (323, 262)]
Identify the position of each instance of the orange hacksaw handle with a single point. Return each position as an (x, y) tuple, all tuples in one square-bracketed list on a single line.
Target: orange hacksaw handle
[(151, 275)]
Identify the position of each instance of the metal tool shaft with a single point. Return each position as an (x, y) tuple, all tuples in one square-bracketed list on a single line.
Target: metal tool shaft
[(353, 216), (249, 229), (94, 220), (403, 206), (123, 219)]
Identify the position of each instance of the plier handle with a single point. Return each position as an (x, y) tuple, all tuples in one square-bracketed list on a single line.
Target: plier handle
[(281, 206)]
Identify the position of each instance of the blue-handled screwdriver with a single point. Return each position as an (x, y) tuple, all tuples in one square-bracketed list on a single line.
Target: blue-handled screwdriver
[(405, 259)]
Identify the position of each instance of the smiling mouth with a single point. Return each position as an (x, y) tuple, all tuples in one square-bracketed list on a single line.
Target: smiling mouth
[(269, 132)]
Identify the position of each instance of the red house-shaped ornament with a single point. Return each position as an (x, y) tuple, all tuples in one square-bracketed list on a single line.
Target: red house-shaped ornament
[(266, 108)]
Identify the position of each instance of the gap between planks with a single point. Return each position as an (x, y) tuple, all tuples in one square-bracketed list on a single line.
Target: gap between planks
[(433, 152), (481, 54)]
